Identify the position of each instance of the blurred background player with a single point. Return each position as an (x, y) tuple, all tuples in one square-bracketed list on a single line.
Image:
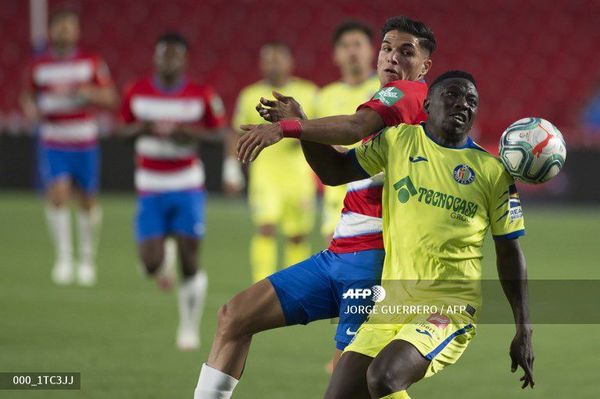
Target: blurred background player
[(281, 190), (62, 83), (168, 113), (353, 53)]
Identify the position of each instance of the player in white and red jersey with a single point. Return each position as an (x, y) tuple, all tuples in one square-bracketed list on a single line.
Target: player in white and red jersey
[(62, 84), (327, 284), (168, 114)]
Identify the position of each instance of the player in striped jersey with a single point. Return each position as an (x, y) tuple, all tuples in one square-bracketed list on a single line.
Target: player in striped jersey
[(62, 84), (168, 113), (317, 288)]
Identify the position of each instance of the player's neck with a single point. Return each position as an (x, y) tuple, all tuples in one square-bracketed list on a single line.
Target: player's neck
[(437, 135), (63, 50), (354, 78), (278, 81), (169, 81)]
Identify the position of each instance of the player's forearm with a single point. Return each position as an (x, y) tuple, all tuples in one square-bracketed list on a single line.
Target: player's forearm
[(133, 130), (342, 129), (330, 165), (512, 271)]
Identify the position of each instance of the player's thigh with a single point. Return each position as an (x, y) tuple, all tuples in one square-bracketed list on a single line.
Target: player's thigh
[(349, 378), (299, 207), (265, 199), (151, 252), (58, 191), (150, 218), (306, 291), (54, 173), (187, 214), (441, 339), (354, 274), (85, 169), (397, 366), (255, 309)]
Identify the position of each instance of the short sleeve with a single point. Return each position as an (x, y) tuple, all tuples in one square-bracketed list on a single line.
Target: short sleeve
[(215, 110), (505, 213), (399, 102), (371, 155), (125, 113)]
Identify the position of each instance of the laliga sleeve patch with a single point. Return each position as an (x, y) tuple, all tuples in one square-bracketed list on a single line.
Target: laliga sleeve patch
[(389, 96)]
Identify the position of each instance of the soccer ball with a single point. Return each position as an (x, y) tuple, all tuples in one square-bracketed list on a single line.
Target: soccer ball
[(532, 150)]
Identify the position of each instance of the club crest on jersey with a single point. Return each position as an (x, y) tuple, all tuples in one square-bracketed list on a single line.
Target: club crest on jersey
[(388, 96), (463, 174)]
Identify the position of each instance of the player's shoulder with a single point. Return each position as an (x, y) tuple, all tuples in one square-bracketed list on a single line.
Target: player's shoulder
[(400, 135), (407, 87), (197, 87), (141, 84), (487, 162)]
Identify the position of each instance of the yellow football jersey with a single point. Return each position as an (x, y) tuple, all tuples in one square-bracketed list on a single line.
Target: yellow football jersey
[(438, 204), (283, 161), (340, 98)]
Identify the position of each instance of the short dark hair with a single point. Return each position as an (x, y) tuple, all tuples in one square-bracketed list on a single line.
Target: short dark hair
[(351, 26), (413, 27), (455, 74), (61, 13), (172, 38)]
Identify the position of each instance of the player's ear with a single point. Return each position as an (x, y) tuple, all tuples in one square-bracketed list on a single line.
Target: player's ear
[(426, 105), (426, 67)]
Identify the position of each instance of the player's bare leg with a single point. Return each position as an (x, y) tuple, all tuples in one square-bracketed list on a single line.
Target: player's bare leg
[(59, 223), (349, 378), (263, 252), (192, 293), (330, 366), (89, 218), (251, 311), (396, 367), (152, 252)]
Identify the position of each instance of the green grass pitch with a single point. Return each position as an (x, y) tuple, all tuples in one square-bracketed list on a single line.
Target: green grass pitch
[(121, 334)]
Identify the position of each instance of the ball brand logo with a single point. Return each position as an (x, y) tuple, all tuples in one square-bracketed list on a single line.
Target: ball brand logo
[(376, 293), (464, 174)]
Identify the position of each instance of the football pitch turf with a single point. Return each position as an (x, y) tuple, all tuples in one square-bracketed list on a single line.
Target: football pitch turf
[(121, 334)]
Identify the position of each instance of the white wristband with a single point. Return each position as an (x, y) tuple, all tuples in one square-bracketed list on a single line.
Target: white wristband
[(232, 172)]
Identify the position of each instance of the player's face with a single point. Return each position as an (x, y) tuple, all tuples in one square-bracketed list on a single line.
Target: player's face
[(452, 106), (64, 31), (353, 52), (401, 57), (276, 62), (170, 59)]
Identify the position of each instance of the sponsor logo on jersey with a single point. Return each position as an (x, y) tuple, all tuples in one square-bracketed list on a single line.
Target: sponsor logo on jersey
[(461, 208), (464, 174), (388, 96)]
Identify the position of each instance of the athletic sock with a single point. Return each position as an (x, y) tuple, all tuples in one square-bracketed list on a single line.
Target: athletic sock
[(59, 224), (88, 223), (192, 293), (263, 256), (214, 384), (295, 253), (397, 395)]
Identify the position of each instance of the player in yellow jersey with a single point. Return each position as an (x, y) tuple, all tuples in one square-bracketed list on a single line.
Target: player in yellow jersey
[(442, 193), (281, 188), (353, 53)]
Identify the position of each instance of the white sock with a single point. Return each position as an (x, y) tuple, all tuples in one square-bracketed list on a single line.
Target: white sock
[(170, 257), (59, 224), (214, 384), (192, 293), (88, 224)]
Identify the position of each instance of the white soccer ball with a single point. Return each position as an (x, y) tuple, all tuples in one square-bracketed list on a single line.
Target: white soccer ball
[(533, 150)]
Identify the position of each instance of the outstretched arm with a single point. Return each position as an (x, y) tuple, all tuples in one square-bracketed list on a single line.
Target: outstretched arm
[(341, 129), (512, 271), (320, 157)]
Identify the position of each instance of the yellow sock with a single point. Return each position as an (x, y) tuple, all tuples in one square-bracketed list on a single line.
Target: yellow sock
[(397, 395), (263, 256), (295, 253)]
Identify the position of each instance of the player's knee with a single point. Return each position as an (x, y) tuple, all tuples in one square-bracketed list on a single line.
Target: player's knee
[(230, 322), (152, 261), (189, 266), (297, 239), (383, 380), (268, 230)]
